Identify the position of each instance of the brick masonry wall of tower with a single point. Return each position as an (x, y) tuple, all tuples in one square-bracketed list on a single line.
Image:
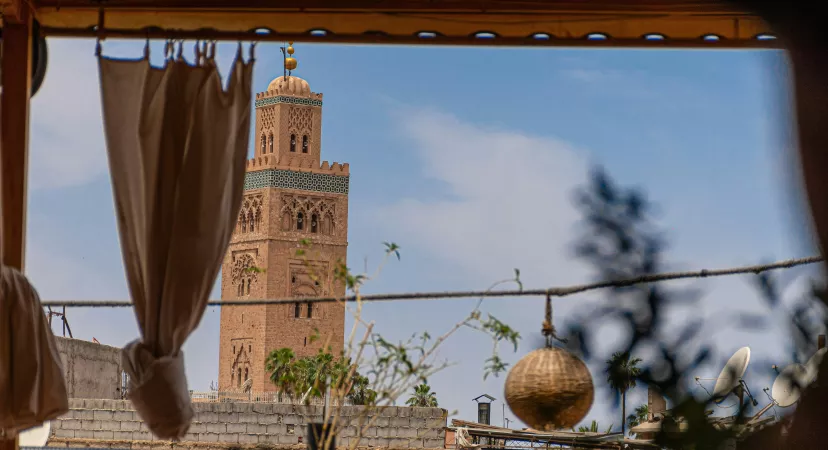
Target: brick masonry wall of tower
[(115, 424), (249, 333)]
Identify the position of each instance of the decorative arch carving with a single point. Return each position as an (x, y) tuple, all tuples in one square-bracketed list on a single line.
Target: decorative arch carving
[(322, 209), (242, 274), (250, 214)]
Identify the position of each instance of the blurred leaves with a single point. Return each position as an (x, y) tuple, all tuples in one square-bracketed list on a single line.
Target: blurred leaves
[(620, 240)]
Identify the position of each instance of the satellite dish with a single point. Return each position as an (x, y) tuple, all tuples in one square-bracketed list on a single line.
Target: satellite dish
[(36, 436), (812, 366), (732, 373), (786, 387)]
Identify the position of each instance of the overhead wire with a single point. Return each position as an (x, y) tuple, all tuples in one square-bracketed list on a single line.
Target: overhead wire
[(445, 295)]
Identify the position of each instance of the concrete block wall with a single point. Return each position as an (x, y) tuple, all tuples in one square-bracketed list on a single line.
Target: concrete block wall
[(115, 424), (91, 370)]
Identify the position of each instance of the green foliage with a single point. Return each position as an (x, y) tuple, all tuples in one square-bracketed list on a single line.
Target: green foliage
[(422, 396), (638, 416), (310, 377), (593, 428)]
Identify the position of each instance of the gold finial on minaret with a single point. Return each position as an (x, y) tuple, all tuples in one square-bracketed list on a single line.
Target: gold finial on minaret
[(290, 61)]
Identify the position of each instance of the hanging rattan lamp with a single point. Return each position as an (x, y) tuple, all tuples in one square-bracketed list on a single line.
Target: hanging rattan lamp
[(550, 388)]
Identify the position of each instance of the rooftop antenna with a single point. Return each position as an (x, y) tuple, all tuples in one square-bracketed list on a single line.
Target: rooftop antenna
[(730, 378), (786, 389), (788, 385), (290, 61)]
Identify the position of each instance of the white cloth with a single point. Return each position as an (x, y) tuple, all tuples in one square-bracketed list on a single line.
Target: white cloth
[(32, 387), (177, 146)]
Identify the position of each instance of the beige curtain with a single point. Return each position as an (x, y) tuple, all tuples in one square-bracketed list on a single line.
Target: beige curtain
[(177, 145), (32, 388)]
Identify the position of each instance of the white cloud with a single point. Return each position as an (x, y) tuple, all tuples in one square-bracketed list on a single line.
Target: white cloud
[(67, 141), (511, 199)]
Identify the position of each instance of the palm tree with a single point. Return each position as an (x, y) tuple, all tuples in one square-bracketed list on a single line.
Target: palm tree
[(593, 428), (638, 416), (360, 393), (621, 374), (281, 365), (422, 396)]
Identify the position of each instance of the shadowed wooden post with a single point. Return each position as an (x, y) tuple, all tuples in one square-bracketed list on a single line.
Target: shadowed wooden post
[(14, 133)]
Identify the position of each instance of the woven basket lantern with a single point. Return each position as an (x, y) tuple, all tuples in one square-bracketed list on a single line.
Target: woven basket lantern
[(550, 388)]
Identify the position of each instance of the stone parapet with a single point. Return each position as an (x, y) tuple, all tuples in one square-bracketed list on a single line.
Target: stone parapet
[(115, 424)]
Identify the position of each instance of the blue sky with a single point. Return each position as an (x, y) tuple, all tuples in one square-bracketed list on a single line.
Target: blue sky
[(467, 159)]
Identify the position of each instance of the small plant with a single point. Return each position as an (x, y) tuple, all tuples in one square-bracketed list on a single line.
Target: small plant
[(389, 369)]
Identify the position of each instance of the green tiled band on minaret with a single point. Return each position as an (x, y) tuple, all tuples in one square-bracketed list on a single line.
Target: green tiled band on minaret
[(289, 179), (284, 99)]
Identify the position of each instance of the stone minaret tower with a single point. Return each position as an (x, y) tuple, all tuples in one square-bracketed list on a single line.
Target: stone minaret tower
[(289, 196)]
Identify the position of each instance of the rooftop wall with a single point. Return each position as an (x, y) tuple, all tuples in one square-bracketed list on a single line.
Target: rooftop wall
[(115, 424), (91, 370)]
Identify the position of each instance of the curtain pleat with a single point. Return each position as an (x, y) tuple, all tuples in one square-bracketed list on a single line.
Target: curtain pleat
[(177, 145)]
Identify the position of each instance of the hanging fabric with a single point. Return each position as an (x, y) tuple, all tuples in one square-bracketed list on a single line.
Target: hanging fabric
[(32, 387), (177, 144)]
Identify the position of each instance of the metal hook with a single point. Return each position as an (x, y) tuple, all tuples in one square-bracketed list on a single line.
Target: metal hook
[(147, 48), (100, 32), (211, 54), (168, 50), (197, 52), (253, 50)]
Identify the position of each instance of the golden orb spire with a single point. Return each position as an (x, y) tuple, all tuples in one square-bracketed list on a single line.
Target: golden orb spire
[(290, 61)]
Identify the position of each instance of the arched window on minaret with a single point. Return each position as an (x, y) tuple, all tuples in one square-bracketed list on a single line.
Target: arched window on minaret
[(243, 220), (297, 310), (251, 219), (248, 286), (310, 310), (239, 381), (258, 218), (327, 224), (264, 144), (241, 288), (246, 373), (314, 223), (293, 143), (270, 144), (300, 221), (305, 143)]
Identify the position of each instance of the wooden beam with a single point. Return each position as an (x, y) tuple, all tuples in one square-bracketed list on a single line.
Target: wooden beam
[(14, 135), (457, 22), (11, 10)]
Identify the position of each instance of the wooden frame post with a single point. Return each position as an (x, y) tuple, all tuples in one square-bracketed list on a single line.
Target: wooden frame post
[(14, 140), (14, 133)]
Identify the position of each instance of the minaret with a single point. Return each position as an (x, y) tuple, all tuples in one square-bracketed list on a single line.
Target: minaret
[(289, 196)]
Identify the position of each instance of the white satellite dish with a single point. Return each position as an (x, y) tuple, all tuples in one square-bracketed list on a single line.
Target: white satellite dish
[(731, 376), (812, 366), (36, 436), (786, 387)]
